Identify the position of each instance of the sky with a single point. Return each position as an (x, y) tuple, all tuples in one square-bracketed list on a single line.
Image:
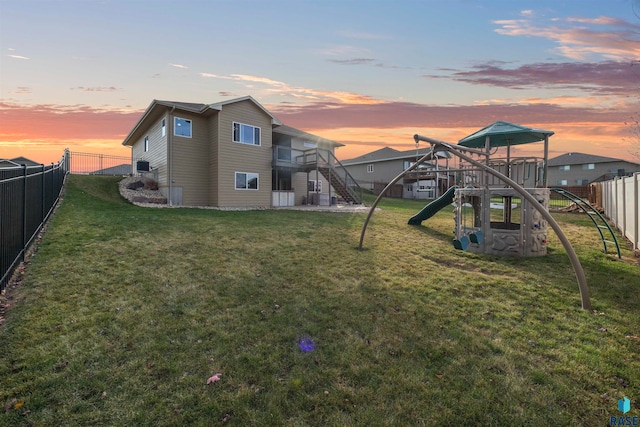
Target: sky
[(368, 74)]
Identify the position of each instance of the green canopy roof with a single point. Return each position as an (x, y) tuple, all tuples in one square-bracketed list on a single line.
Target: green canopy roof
[(502, 134)]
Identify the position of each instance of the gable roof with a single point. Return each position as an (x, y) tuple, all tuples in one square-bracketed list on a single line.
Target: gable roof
[(18, 161), (191, 107), (387, 153), (581, 158)]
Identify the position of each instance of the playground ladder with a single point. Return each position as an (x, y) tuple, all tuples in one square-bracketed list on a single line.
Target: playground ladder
[(598, 220)]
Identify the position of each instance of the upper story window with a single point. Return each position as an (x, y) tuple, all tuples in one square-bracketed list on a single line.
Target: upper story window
[(565, 168), (163, 127), (182, 127), (246, 181), (146, 144), (310, 144), (561, 182), (583, 182), (588, 166), (369, 168), (246, 134)]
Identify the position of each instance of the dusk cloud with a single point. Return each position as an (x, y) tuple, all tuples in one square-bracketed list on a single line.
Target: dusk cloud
[(355, 61), (96, 89), (405, 114), (17, 57), (179, 66), (604, 78), (605, 37)]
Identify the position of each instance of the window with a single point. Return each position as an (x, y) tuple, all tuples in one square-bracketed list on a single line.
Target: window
[(565, 168), (146, 144), (182, 127), (561, 182), (163, 127), (583, 182), (246, 181), (369, 168), (310, 144), (246, 134), (588, 166), (314, 186)]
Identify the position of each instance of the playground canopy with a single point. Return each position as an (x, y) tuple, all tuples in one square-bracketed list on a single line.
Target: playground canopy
[(504, 134)]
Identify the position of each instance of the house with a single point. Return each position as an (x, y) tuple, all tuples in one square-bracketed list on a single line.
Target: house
[(17, 161), (376, 169), (234, 153), (577, 169)]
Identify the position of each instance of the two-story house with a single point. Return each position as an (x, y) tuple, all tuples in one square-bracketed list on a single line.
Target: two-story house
[(376, 169), (234, 153), (576, 169)]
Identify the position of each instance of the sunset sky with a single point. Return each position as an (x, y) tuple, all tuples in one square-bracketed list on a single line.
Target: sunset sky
[(368, 74)]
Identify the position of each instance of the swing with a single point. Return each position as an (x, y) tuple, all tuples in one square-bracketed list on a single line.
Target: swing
[(463, 242)]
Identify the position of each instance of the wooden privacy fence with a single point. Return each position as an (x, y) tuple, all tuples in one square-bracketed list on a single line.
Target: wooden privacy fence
[(620, 200), (28, 195)]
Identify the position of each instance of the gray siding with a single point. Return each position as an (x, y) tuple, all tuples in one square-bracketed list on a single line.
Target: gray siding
[(238, 157), (576, 172)]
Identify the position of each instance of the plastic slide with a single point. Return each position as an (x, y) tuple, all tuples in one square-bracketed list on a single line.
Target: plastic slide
[(432, 208)]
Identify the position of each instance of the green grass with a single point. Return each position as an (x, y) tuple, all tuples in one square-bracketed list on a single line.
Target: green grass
[(125, 312)]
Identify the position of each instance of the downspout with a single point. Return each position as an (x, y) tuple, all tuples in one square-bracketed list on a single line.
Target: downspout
[(170, 140)]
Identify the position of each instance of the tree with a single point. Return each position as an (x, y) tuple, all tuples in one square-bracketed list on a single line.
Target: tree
[(633, 125)]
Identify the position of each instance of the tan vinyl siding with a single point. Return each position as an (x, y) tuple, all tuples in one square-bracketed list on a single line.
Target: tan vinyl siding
[(157, 154), (238, 157), (213, 159), (191, 161)]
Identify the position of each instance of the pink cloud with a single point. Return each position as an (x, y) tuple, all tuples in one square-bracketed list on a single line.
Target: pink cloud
[(605, 78)]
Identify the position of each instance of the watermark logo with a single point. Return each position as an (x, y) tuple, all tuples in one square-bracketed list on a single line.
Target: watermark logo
[(624, 406)]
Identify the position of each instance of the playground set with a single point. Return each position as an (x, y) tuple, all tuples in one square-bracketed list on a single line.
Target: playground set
[(501, 205)]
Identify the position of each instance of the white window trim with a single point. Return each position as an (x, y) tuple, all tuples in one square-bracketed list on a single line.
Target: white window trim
[(370, 168), (247, 174), (175, 126), (233, 134), (146, 143), (317, 185)]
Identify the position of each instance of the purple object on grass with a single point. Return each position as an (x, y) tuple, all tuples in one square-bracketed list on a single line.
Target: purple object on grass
[(306, 344)]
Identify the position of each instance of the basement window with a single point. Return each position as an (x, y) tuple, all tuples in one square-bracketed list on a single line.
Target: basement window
[(247, 181)]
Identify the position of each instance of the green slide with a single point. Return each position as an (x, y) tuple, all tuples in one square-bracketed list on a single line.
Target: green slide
[(430, 210)]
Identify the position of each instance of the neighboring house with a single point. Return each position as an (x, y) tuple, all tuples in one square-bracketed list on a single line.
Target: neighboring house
[(123, 169), (17, 161), (376, 169), (233, 153), (575, 169)]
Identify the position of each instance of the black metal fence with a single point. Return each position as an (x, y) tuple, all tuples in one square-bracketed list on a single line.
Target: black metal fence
[(28, 195), (99, 164)]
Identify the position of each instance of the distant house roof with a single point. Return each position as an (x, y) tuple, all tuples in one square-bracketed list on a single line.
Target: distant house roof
[(387, 153), (580, 159), (123, 169), (17, 161)]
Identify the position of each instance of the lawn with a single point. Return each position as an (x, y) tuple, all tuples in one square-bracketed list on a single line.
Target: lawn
[(124, 313)]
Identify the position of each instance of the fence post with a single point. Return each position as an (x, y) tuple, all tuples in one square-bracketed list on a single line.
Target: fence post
[(44, 194), (24, 211)]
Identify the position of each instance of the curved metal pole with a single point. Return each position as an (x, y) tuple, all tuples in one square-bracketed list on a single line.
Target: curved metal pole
[(575, 262), (396, 179)]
